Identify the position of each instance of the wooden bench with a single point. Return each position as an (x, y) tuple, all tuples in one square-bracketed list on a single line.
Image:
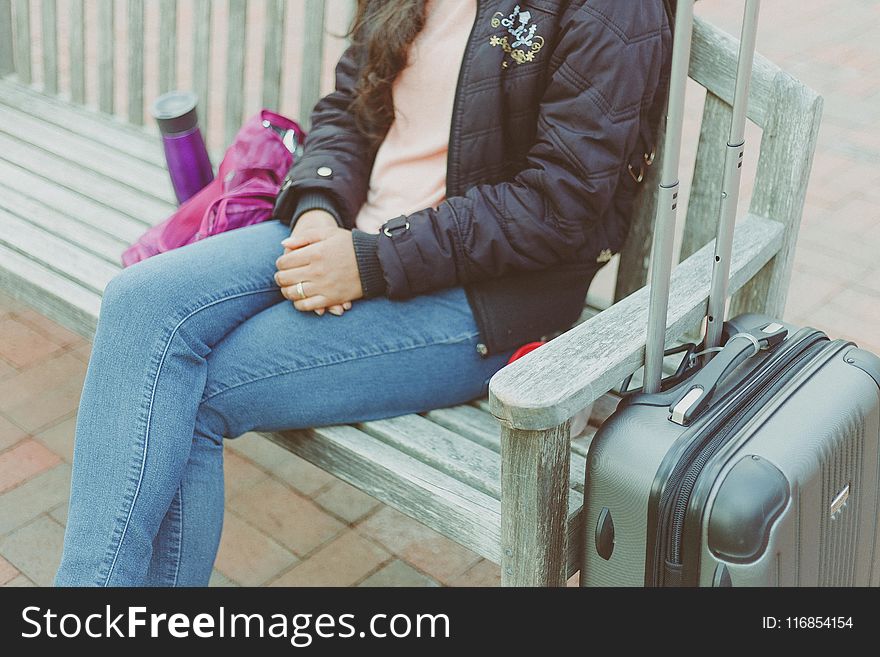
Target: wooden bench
[(499, 475)]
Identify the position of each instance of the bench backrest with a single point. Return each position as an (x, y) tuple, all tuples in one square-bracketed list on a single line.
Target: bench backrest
[(205, 45), (787, 113)]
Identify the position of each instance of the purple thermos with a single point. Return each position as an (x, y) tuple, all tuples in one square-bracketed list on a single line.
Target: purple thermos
[(185, 151)]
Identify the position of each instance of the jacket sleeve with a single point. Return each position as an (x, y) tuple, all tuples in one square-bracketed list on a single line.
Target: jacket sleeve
[(333, 172), (603, 74)]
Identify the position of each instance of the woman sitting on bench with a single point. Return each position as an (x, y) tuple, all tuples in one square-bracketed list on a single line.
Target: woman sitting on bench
[(473, 169)]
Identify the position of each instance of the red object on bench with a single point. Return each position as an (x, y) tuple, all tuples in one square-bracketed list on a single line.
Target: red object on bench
[(522, 351)]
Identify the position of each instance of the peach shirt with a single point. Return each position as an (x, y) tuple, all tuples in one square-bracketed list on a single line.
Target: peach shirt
[(409, 172)]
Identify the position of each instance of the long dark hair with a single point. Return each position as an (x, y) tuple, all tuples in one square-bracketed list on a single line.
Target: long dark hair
[(383, 30)]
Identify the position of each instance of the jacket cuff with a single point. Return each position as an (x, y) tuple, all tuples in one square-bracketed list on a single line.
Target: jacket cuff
[(366, 250), (315, 200)]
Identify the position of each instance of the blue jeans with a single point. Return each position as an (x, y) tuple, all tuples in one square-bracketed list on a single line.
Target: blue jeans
[(198, 344)]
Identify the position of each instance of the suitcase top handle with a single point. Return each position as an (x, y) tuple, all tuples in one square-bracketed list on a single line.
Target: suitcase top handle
[(668, 191)]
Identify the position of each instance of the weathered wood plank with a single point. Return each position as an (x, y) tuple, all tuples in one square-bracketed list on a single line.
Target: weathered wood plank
[(465, 420), (548, 386), (202, 59), (534, 506), (136, 204), (136, 27), (704, 200), (77, 37), (59, 299), (70, 228), (168, 49), (443, 503), (55, 253), (235, 68), (312, 59), (7, 53), (49, 35), (273, 51), (635, 256), (713, 65), (481, 428), (114, 135), (106, 56), (23, 41), (116, 167), (111, 222), (443, 450), (784, 165), (434, 499)]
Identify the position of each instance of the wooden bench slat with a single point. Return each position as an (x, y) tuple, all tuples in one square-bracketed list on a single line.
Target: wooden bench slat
[(71, 229), (477, 428), (115, 167), (49, 36), (7, 54), (59, 299), (22, 11), (713, 65), (66, 201), (111, 134), (137, 205), (202, 59), (235, 53), (481, 428), (168, 47), (273, 52), (312, 59), (106, 56), (77, 46), (445, 504), (470, 422), (442, 449), (705, 195), (54, 253), (467, 516), (136, 29), (546, 387)]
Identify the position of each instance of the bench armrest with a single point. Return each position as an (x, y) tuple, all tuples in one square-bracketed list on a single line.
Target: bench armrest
[(549, 385)]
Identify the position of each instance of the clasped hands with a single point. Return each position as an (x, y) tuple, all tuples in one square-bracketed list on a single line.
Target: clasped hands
[(319, 262)]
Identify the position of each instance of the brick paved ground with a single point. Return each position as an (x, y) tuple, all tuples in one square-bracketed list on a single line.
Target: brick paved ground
[(287, 522)]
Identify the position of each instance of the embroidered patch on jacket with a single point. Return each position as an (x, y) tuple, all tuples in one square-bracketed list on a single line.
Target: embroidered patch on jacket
[(521, 41), (605, 256)]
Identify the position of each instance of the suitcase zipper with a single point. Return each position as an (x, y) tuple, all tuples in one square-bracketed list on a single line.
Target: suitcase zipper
[(703, 442), (715, 441)]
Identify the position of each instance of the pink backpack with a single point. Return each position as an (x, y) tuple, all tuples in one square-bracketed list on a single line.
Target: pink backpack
[(243, 193)]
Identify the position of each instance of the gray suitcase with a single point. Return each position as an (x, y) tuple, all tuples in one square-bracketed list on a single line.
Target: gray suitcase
[(757, 467)]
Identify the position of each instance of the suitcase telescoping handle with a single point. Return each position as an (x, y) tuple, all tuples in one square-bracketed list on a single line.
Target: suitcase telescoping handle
[(667, 197)]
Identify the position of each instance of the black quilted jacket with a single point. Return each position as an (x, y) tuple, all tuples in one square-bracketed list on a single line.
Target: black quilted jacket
[(554, 114)]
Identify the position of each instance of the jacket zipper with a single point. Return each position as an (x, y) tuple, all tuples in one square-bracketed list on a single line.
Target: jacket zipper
[(452, 181), (456, 107)]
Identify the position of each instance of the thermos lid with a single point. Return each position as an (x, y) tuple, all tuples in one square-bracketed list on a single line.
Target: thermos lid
[(175, 112)]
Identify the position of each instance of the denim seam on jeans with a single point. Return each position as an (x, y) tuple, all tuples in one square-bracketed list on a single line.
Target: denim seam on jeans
[(152, 395), (466, 337), (181, 525)]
